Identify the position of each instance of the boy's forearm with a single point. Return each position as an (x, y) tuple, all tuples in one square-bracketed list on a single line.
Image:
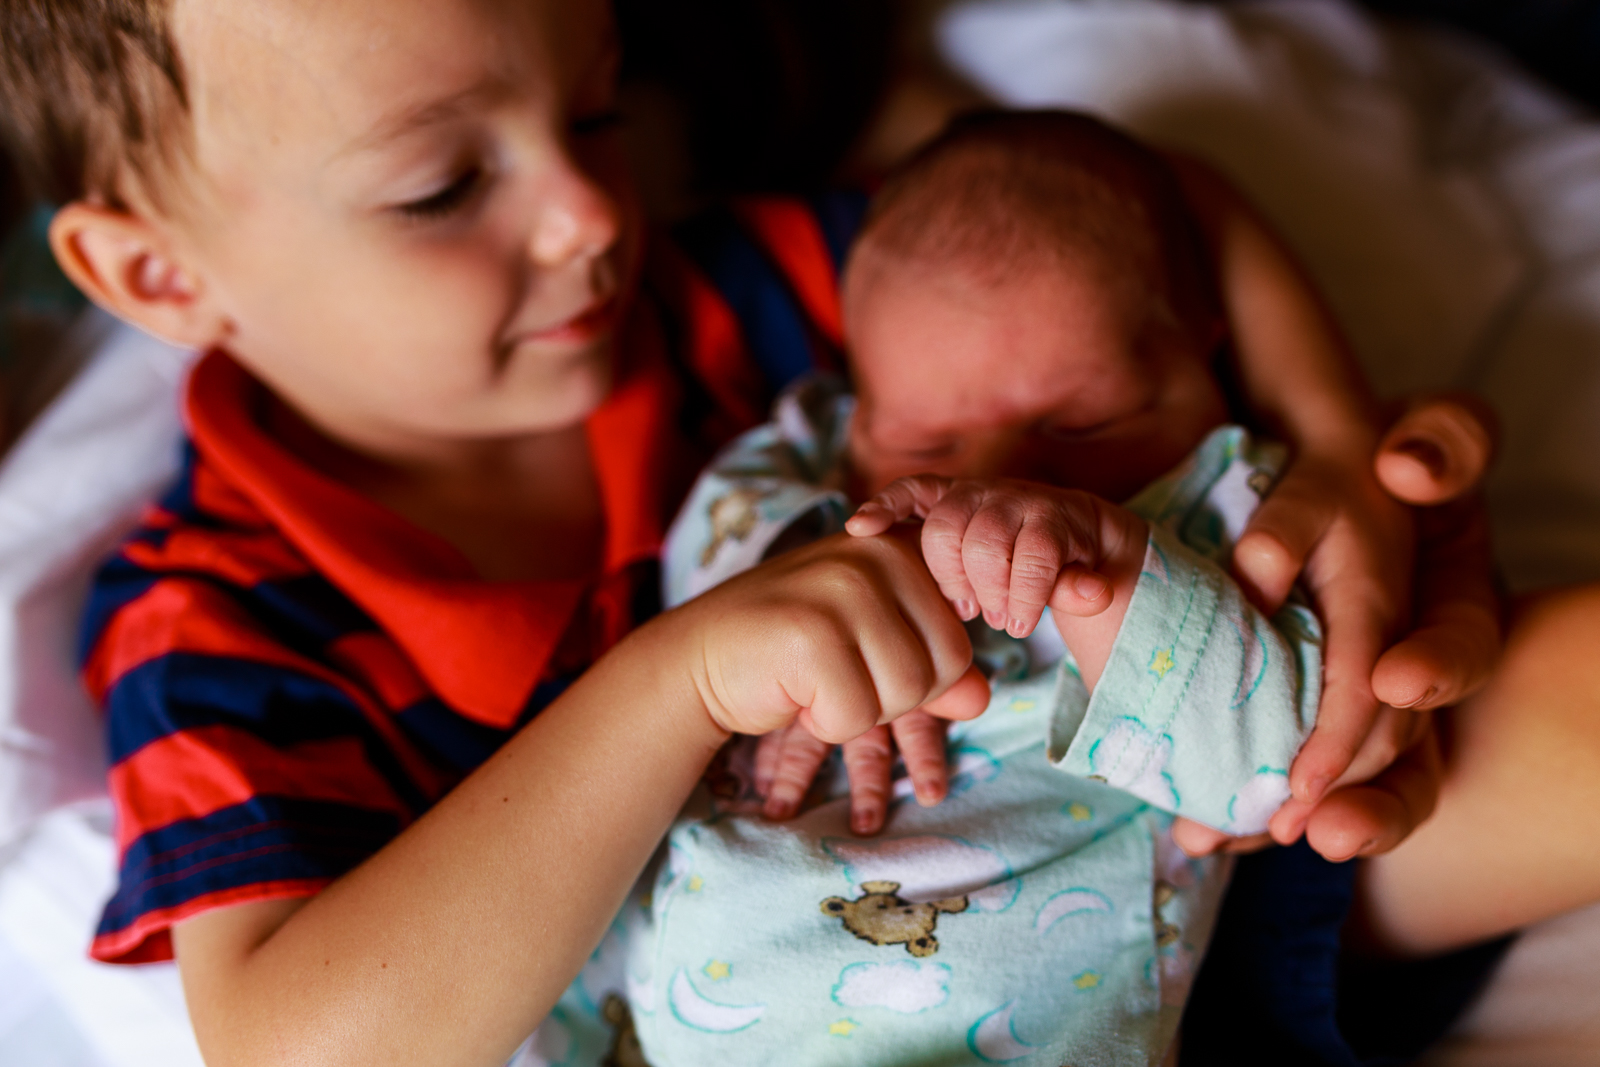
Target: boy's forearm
[(1295, 369), (451, 944)]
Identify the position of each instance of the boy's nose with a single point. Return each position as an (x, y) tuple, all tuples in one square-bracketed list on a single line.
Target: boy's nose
[(577, 219)]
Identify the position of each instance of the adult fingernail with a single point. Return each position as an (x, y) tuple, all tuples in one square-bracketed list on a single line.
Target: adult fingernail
[(1426, 452), (1368, 847), (966, 610), (928, 796), (1315, 788), (1425, 698)]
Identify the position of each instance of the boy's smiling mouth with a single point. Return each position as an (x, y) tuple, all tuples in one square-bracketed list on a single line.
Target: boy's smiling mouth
[(587, 326)]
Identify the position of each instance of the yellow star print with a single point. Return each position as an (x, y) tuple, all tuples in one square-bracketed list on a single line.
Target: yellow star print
[(1162, 662), (1024, 705), (696, 883), (842, 1028), (1086, 980), (1081, 812), (716, 970)]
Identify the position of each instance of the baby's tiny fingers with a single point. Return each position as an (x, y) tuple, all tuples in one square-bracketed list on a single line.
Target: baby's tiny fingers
[(868, 759), (921, 738), (802, 756), (899, 501), (769, 752)]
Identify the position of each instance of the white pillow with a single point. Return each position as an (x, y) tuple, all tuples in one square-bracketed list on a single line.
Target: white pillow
[(69, 489)]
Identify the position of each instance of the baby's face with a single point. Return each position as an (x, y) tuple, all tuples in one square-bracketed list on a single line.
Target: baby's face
[(414, 212), (1052, 378)]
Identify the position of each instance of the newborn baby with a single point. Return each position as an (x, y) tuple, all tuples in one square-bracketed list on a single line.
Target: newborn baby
[(1028, 311)]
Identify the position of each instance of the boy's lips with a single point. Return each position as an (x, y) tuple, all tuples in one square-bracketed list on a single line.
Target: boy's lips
[(588, 325)]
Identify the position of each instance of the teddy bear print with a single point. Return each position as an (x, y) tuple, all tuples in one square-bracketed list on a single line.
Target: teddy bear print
[(883, 917), (733, 517), (625, 1050)]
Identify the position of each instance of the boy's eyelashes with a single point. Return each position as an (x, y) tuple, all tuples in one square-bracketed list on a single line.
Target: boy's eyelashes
[(447, 200)]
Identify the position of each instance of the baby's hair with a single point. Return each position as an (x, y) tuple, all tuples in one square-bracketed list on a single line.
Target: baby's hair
[(92, 98), (1002, 193)]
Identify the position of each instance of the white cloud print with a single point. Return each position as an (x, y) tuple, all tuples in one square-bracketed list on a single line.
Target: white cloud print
[(1133, 758), (902, 986), (929, 867), (1254, 806)]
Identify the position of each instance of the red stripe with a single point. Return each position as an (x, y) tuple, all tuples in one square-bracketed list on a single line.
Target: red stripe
[(179, 615), (212, 494), (245, 559), (788, 232), (148, 939), (194, 773), (377, 662)]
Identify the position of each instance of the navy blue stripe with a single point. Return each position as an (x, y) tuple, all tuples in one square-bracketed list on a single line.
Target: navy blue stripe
[(840, 214), (265, 839), (460, 742), (306, 612), (185, 691), (118, 583), (772, 320)]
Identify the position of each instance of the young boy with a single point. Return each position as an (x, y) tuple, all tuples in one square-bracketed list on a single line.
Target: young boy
[(1025, 300), (434, 447)]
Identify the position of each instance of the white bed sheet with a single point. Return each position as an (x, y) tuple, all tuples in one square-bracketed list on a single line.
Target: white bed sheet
[(1449, 207)]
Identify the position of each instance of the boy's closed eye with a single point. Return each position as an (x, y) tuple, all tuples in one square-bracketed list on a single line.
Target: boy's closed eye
[(448, 200)]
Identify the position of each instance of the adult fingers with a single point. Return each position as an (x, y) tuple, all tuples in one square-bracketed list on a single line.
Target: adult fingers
[(1394, 731), (1197, 840), (1272, 551), (1370, 819), (798, 758), (867, 760), (1356, 621), (1438, 449), (1439, 665), (921, 740)]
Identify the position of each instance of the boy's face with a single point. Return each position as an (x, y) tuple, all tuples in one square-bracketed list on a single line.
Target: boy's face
[(1053, 378), (413, 213)]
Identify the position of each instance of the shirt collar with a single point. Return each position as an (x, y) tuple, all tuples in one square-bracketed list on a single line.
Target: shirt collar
[(482, 646)]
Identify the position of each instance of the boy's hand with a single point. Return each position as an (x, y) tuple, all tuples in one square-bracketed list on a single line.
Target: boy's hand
[(788, 760), (840, 636), (1007, 549)]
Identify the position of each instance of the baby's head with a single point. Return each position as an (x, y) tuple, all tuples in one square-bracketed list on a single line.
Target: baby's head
[(410, 217), (1029, 298)]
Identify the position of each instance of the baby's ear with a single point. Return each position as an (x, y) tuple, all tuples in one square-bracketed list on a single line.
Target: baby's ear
[(128, 265)]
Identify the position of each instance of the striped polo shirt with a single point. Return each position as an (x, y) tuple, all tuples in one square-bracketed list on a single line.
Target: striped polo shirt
[(291, 674)]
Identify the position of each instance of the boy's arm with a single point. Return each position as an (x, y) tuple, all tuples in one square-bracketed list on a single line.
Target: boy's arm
[(448, 946)]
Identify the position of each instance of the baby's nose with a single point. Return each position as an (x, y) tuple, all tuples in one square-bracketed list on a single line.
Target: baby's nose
[(578, 220)]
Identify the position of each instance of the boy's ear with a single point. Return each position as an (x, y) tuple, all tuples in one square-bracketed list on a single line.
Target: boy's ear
[(128, 266)]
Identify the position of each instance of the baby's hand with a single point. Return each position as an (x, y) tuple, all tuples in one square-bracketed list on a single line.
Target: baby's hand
[(1007, 549), (788, 760)]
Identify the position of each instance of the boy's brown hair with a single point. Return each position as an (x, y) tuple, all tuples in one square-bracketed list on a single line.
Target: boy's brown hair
[(92, 98), (1000, 193)]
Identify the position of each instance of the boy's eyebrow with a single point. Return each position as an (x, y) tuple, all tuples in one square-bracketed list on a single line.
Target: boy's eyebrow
[(409, 119)]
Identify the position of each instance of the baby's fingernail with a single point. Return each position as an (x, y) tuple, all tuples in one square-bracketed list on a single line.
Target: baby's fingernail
[(930, 795), (778, 809), (1017, 628), (966, 610), (995, 620), (1091, 586), (865, 822)]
